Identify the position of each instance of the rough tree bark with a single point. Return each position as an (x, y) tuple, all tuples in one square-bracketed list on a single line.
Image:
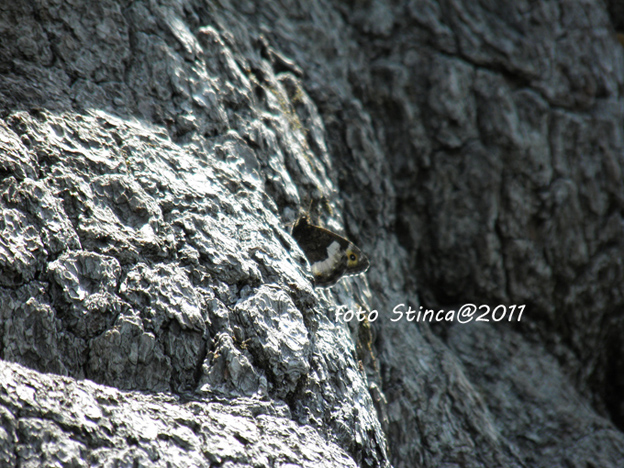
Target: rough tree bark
[(155, 310)]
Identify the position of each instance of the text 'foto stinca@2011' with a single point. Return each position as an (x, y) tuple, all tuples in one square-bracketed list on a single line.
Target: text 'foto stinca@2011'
[(465, 314)]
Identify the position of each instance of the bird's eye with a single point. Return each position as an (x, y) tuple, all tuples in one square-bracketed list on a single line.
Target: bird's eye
[(353, 257)]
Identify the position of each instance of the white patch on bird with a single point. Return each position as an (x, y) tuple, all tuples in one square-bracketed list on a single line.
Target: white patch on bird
[(330, 262)]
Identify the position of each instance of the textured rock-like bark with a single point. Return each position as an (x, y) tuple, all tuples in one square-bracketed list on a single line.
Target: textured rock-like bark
[(154, 155), (56, 421)]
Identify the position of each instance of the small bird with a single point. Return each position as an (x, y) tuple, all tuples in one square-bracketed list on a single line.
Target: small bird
[(331, 256)]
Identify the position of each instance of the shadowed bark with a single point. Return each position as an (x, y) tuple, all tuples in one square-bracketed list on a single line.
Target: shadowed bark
[(156, 311)]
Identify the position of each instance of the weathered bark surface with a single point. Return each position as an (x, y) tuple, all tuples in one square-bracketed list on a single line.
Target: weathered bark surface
[(154, 154)]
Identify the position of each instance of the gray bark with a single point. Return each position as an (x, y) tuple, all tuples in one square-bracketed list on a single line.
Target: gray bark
[(155, 310)]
